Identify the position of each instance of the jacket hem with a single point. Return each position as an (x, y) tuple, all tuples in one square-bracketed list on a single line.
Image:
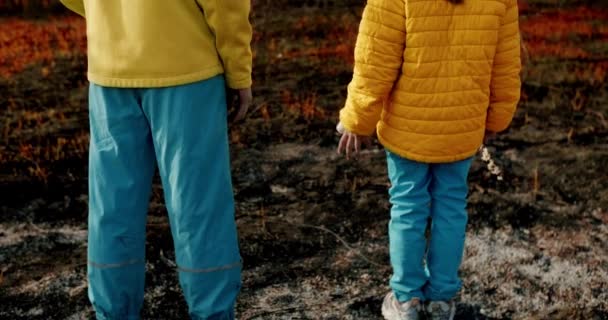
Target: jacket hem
[(154, 82), (424, 158)]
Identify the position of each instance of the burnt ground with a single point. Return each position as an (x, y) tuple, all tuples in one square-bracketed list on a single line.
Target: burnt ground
[(313, 226)]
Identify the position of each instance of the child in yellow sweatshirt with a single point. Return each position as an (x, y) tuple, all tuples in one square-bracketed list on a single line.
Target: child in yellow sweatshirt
[(431, 78), (158, 72)]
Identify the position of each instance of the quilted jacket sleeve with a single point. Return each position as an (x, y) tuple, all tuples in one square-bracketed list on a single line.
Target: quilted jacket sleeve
[(506, 83), (229, 22), (378, 60), (75, 5)]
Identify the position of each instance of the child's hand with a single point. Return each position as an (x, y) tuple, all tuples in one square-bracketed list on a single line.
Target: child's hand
[(245, 99), (241, 99), (351, 142)]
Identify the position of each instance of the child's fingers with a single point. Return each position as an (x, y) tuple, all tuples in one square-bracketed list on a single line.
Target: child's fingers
[(242, 112), (342, 143), (245, 98), (349, 146)]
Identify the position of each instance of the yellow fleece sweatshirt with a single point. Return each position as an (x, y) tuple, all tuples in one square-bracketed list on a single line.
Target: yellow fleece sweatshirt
[(160, 43)]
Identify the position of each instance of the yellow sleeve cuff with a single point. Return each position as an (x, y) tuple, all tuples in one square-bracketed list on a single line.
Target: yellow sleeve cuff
[(239, 83)]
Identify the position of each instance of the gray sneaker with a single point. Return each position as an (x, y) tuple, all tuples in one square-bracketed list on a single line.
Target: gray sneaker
[(441, 310), (392, 309)]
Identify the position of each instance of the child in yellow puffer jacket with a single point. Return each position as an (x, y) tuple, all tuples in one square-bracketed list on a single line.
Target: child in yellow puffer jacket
[(431, 77)]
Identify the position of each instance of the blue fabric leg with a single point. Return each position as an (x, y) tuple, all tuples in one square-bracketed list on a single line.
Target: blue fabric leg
[(410, 211), (121, 167), (189, 125), (448, 210)]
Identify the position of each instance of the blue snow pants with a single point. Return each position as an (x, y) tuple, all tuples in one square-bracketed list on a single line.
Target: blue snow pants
[(183, 131)]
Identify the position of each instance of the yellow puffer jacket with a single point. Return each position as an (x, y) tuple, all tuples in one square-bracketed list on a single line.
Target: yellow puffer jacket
[(432, 76)]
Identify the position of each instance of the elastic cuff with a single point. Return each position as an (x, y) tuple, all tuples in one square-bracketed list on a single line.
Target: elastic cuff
[(224, 315), (239, 84), (434, 295), (355, 123), (100, 315), (405, 297)]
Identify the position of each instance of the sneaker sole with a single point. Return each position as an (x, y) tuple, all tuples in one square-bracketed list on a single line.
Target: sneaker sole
[(389, 314)]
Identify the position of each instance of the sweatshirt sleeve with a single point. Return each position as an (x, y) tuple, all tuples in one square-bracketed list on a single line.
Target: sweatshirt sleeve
[(75, 5), (378, 61), (505, 87), (229, 22)]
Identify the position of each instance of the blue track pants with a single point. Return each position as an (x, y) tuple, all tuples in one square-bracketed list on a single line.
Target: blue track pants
[(183, 131)]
